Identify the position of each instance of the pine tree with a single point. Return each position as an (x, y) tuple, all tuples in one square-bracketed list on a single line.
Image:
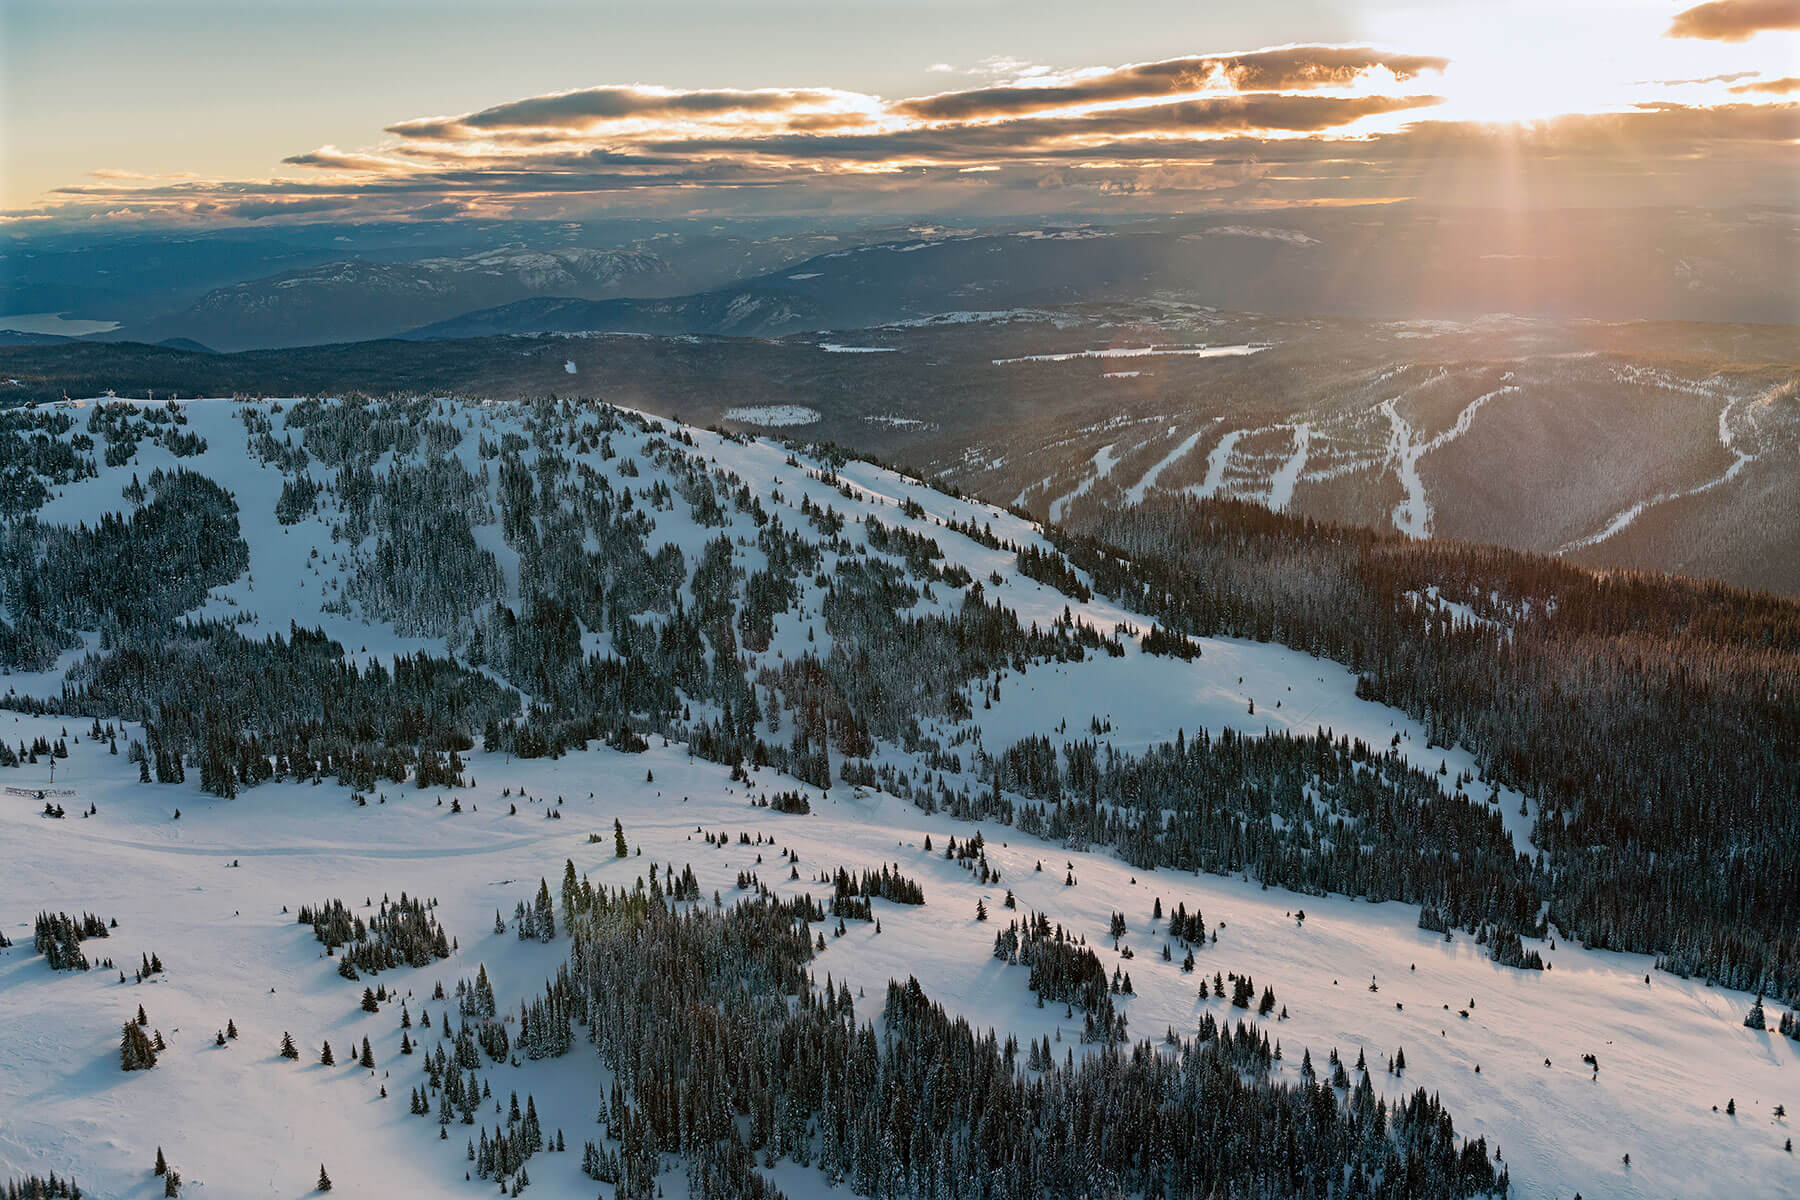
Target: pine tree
[(324, 1184), (325, 1058), (368, 1056), (136, 1051), (1755, 1018), (172, 1183), (162, 1164), (619, 850), (288, 1049)]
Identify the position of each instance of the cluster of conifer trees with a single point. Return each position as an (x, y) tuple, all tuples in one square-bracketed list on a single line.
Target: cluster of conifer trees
[(58, 937), (399, 933), (125, 575)]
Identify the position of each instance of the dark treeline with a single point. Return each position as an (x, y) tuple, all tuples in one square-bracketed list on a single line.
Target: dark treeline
[(241, 711), (724, 1052), (42, 1187), (1307, 813), (1655, 719)]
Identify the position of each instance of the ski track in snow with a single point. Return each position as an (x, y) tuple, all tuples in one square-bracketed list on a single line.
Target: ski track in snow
[(1103, 463), (1412, 516), (1281, 484), (1623, 520), (1136, 491), (1216, 462)]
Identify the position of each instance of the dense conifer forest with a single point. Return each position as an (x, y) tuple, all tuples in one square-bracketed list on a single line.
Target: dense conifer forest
[(1655, 720)]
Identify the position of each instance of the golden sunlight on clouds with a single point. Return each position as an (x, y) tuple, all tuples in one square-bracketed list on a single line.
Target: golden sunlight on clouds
[(1608, 110)]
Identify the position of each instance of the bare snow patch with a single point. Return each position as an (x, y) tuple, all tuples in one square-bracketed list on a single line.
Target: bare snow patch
[(1268, 233), (1140, 352)]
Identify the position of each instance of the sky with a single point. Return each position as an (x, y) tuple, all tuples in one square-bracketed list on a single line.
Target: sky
[(201, 112)]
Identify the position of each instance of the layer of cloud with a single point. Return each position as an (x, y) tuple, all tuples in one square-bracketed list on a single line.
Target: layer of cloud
[(1735, 20), (1770, 87), (1288, 68), (594, 108), (1287, 125)]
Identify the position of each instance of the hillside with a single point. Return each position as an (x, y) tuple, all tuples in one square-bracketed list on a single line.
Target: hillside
[(438, 648), (1634, 445)]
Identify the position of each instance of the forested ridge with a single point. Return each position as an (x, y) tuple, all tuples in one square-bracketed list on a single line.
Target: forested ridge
[(1655, 720)]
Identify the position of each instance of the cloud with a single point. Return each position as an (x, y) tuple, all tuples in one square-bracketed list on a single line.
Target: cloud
[(1264, 70), (593, 108), (332, 159), (1770, 87), (1735, 20), (1728, 77)]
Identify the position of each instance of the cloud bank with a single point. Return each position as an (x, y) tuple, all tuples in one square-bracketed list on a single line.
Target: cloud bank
[(1287, 125), (1736, 20)]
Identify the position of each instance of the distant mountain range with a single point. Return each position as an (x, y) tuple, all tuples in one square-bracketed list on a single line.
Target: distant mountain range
[(1386, 262), (1362, 263), (356, 300)]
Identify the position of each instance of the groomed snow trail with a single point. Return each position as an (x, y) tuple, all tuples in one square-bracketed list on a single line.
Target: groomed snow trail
[(1281, 484), (1412, 516), (1102, 462), (1622, 521), (1137, 490)]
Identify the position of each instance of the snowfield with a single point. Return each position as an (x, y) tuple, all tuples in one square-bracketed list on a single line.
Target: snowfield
[(207, 893), (1236, 351), (240, 1121)]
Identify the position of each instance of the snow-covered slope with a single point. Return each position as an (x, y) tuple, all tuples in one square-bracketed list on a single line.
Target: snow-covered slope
[(214, 893)]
